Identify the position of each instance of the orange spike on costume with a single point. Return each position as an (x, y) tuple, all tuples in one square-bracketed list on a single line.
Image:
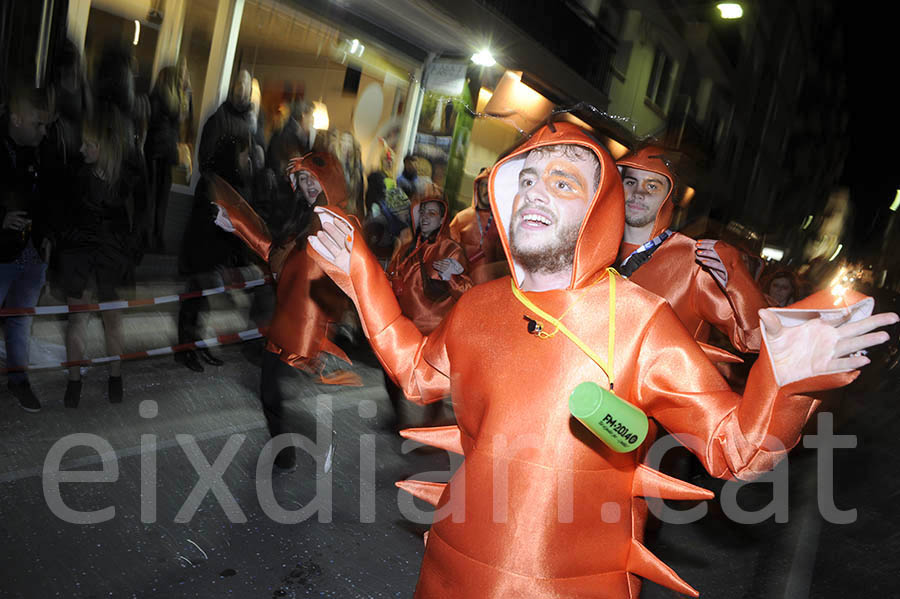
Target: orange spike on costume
[(447, 438), (653, 483), (643, 563), (717, 354), (424, 490)]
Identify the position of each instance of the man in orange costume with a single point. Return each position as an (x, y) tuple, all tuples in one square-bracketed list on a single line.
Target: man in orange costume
[(428, 271), (475, 230), (540, 507), (705, 282), (306, 300)]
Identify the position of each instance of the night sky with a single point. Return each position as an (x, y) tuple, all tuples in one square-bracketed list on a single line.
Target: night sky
[(872, 171)]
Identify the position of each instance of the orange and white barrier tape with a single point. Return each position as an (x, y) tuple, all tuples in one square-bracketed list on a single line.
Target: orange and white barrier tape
[(123, 304), (240, 337)]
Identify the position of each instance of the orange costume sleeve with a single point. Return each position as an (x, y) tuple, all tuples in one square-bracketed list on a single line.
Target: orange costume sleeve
[(248, 225), (734, 309)]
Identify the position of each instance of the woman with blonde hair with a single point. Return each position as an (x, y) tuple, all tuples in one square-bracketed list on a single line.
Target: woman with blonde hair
[(97, 247)]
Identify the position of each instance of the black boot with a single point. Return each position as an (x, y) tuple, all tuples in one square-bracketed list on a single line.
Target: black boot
[(73, 394), (189, 359), (208, 357), (115, 389)]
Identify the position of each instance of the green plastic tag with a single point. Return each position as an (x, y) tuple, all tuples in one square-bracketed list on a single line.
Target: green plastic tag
[(619, 424)]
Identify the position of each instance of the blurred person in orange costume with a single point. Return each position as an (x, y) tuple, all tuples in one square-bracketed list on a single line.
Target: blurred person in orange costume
[(474, 229), (534, 529), (706, 281), (428, 271), (307, 302)]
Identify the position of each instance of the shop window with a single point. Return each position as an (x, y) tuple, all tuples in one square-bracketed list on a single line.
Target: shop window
[(662, 79), (196, 44), (105, 28), (358, 87)]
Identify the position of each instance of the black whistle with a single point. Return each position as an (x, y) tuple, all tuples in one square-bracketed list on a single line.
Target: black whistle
[(534, 327)]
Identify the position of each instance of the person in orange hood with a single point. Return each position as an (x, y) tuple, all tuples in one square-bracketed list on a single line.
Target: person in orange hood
[(540, 507), (428, 272), (474, 229), (705, 282), (306, 300)]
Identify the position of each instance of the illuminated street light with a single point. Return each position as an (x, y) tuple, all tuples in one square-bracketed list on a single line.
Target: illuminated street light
[(730, 10), (484, 58), (896, 203)]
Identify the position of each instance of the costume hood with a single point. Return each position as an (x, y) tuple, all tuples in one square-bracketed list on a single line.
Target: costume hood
[(652, 158), (327, 169), (432, 193), (603, 225), (482, 176)]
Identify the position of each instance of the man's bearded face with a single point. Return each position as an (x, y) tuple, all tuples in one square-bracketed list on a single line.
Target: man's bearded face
[(555, 191), (645, 191)]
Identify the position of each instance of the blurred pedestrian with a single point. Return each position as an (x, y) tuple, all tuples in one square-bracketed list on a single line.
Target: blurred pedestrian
[(781, 287), (409, 180), (298, 337), (24, 249), (428, 275), (475, 230), (387, 210), (294, 139), (209, 255), (169, 108), (97, 247)]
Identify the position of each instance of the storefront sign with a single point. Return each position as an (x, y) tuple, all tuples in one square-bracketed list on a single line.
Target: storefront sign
[(446, 77)]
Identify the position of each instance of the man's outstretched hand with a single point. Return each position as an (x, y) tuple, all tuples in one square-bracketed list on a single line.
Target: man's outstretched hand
[(335, 241), (820, 346)]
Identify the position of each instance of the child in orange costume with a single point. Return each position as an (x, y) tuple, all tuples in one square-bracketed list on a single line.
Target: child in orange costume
[(551, 511), (428, 272)]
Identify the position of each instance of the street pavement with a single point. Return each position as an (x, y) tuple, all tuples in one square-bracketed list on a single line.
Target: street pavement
[(367, 541)]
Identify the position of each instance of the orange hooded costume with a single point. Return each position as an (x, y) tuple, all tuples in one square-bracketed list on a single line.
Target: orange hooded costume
[(541, 507), (474, 229), (306, 299), (424, 297), (673, 273)]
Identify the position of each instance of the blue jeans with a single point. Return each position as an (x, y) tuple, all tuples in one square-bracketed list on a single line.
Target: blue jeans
[(20, 287)]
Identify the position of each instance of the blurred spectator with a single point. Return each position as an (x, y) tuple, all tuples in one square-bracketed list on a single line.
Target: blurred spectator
[(97, 246), (116, 100), (23, 247), (61, 158), (231, 119), (428, 274), (294, 139), (170, 106), (781, 287), (387, 211), (475, 230), (208, 254), (297, 340), (408, 180)]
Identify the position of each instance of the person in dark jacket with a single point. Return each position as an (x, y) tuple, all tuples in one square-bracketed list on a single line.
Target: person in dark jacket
[(169, 107), (208, 253), (23, 214), (97, 247)]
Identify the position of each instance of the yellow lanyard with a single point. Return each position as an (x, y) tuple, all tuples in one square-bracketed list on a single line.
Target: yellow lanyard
[(604, 366)]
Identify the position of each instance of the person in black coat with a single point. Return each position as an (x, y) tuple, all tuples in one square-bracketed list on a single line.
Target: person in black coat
[(207, 252)]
